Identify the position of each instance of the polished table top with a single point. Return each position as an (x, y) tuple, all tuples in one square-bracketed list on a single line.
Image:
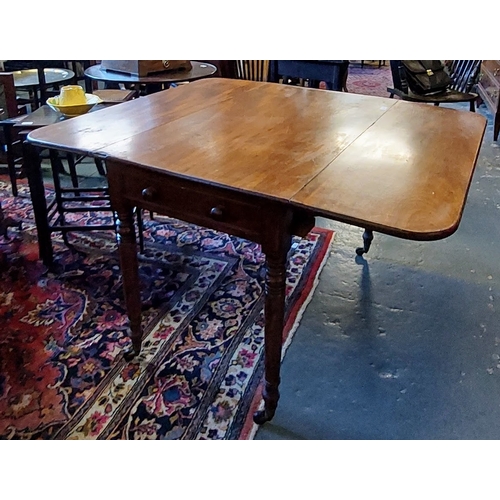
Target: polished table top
[(199, 70), (260, 160), (29, 77), (396, 167)]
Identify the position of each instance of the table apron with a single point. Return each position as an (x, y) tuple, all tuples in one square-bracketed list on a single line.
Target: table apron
[(236, 213)]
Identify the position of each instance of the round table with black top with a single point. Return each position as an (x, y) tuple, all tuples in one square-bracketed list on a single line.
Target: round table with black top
[(29, 81), (28, 78), (155, 81)]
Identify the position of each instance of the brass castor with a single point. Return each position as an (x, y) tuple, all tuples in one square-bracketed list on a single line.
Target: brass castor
[(262, 416)]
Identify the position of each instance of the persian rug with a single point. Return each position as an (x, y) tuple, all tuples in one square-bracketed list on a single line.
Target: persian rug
[(62, 334), (369, 80)]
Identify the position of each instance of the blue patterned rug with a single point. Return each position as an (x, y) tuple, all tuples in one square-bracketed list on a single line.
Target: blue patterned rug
[(62, 373)]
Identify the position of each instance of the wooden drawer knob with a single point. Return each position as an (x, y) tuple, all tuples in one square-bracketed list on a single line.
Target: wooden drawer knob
[(216, 213), (149, 194)]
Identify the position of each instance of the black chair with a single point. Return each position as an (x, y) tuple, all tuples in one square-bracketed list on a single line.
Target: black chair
[(333, 72), (464, 75)]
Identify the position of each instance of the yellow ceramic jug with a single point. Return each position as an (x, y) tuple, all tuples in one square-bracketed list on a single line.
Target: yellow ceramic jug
[(72, 95)]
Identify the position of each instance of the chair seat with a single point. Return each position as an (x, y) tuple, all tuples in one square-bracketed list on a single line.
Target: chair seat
[(114, 95), (448, 96)]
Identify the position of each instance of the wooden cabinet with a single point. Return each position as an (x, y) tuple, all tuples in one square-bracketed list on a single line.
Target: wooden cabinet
[(489, 90)]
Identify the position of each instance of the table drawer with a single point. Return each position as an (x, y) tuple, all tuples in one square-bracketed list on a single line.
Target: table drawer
[(205, 205)]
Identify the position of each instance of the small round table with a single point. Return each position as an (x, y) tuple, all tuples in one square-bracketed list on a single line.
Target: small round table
[(199, 70), (28, 80)]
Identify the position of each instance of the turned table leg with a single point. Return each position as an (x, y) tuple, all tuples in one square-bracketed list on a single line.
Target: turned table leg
[(274, 310), (32, 164), (130, 273)]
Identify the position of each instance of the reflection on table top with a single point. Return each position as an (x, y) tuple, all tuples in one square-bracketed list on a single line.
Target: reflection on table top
[(29, 77), (397, 167), (198, 71)]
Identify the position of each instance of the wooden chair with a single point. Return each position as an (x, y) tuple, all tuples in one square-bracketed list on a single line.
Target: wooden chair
[(8, 102), (10, 144), (11, 137), (78, 68), (115, 96), (464, 76), (296, 71), (108, 96), (8, 109), (257, 71), (37, 97)]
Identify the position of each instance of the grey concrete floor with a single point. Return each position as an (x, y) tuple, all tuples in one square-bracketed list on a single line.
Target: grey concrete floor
[(405, 343), (402, 344)]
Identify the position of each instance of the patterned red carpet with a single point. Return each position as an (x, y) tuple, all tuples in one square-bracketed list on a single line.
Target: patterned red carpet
[(369, 80), (62, 374)]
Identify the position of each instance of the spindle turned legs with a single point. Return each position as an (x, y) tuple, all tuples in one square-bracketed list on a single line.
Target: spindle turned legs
[(130, 272), (276, 261), (274, 235)]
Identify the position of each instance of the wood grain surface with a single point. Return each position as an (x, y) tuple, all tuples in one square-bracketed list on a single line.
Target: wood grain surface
[(396, 167)]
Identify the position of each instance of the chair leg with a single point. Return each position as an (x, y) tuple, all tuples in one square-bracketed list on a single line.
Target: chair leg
[(56, 165), (496, 127), (472, 106), (140, 228), (10, 159), (72, 169)]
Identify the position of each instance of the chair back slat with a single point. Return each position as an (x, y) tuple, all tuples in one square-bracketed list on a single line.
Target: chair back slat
[(464, 74), (252, 70), (399, 76)]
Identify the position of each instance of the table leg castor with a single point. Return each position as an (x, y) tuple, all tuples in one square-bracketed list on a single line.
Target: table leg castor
[(367, 241), (262, 416)]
